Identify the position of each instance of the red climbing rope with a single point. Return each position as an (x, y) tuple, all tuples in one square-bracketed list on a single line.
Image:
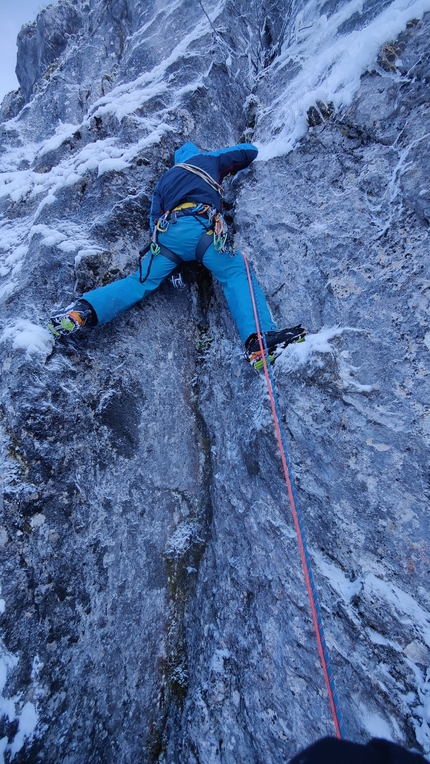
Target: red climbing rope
[(304, 555)]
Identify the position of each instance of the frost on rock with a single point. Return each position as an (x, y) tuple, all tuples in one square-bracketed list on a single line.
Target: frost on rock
[(22, 717), (153, 605)]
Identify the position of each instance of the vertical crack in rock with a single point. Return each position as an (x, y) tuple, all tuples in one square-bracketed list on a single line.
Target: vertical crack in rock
[(183, 555), (186, 546)]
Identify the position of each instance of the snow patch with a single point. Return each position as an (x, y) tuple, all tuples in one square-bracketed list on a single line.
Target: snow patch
[(62, 132), (28, 719), (339, 581), (405, 606), (12, 263), (111, 165), (84, 253), (27, 716), (34, 339), (422, 710), (310, 353), (217, 661), (7, 663), (375, 725), (377, 638), (306, 353), (182, 539)]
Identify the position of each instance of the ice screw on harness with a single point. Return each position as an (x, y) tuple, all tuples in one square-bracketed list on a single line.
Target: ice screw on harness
[(177, 281)]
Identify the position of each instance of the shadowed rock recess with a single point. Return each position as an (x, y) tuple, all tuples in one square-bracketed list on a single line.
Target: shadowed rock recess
[(153, 602)]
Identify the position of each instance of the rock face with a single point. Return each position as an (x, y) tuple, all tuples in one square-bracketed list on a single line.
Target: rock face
[(41, 43), (154, 608)]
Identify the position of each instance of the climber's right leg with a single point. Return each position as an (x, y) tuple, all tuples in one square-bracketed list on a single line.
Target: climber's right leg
[(105, 303)]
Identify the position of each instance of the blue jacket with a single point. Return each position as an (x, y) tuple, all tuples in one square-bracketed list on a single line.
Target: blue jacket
[(177, 185)]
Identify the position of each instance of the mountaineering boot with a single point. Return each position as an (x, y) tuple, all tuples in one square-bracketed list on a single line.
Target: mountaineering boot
[(275, 341), (72, 318)]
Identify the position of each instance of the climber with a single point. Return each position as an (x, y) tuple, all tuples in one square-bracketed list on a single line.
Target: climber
[(187, 224)]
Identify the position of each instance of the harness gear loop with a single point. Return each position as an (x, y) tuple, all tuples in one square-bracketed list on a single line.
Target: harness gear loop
[(142, 254), (220, 229), (194, 208), (297, 518)]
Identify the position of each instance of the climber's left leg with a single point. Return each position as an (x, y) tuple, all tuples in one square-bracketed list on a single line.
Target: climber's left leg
[(229, 268)]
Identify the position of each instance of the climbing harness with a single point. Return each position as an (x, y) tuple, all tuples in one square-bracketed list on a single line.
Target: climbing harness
[(215, 232), (217, 225), (297, 518)]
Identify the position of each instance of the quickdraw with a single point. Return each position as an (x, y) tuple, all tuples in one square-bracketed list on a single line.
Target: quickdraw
[(163, 222), (220, 231), (155, 249)]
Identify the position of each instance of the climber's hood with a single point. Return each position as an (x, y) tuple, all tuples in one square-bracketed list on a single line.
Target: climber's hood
[(185, 152)]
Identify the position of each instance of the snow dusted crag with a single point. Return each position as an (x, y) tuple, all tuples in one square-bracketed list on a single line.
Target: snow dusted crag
[(153, 607)]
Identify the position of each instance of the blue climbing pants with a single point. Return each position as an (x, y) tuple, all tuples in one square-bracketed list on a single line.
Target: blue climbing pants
[(182, 238)]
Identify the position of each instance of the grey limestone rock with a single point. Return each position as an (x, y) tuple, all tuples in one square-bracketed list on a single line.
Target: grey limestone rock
[(154, 606)]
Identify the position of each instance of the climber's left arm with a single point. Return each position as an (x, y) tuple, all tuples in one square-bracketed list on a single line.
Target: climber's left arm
[(234, 158)]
